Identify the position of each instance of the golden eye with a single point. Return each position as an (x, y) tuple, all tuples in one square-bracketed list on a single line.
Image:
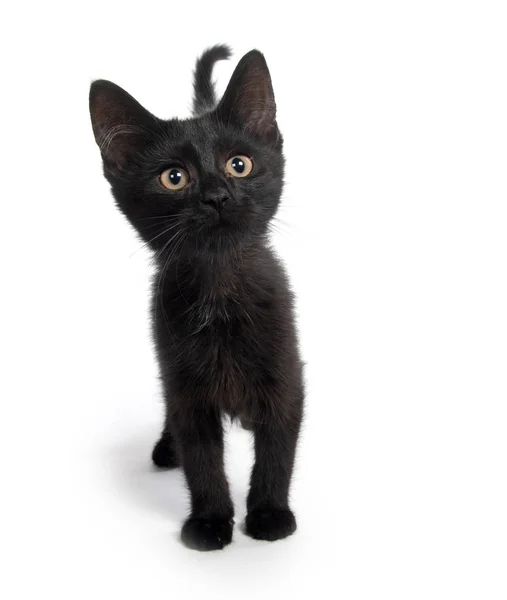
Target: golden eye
[(239, 166), (174, 178)]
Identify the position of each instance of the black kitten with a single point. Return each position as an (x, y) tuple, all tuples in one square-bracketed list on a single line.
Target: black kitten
[(201, 193)]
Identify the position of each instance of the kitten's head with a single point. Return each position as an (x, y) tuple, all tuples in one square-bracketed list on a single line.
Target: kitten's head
[(211, 182)]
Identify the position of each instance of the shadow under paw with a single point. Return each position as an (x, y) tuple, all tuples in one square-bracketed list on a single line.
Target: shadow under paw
[(207, 534), (270, 524)]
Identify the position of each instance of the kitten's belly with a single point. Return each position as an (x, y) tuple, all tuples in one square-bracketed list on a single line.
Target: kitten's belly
[(232, 369), (227, 364)]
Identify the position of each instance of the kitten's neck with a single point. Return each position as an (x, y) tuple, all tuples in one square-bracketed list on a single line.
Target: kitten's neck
[(214, 272)]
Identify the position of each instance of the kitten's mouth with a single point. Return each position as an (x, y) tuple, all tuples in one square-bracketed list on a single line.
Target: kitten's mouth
[(220, 225), (219, 220)]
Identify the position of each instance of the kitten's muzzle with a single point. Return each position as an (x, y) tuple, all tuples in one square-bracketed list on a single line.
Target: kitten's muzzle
[(216, 200)]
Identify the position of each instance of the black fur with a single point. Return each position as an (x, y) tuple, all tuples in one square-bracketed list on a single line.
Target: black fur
[(204, 90), (222, 309)]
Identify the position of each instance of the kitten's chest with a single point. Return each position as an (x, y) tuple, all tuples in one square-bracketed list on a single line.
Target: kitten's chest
[(222, 338), (224, 309), (224, 317), (222, 347), (224, 328), (223, 343)]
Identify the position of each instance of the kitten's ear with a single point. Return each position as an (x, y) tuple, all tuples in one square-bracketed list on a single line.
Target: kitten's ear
[(249, 101), (122, 127)]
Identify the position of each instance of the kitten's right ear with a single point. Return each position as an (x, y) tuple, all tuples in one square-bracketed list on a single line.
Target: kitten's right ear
[(122, 127), (249, 101)]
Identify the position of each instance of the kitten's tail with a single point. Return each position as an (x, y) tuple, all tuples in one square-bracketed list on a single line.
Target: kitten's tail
[(204, 89)]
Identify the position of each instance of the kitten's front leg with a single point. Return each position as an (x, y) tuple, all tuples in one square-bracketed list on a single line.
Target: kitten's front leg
[(269, 516), (201, 445)]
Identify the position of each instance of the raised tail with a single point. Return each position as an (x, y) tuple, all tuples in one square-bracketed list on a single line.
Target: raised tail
[(204, 89)]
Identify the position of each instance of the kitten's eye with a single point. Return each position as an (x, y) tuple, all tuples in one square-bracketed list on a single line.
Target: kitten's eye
[(239, 166), (174, 178)]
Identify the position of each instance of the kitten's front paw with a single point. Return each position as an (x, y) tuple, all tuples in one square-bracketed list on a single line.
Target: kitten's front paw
[(207, 534), (270, 523), (163, 454)]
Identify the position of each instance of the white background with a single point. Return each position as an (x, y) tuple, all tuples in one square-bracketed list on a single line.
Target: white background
[(395, 236)]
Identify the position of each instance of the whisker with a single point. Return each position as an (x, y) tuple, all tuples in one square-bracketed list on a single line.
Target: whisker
[(161, 217), (163, 273), (172, 226), (289, 226), (162, 250)]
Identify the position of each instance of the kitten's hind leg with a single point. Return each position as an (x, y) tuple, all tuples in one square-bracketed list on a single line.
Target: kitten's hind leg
[(164, 453)]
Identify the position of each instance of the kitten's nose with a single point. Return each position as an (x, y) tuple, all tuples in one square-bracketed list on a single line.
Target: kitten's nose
[(216, 199)]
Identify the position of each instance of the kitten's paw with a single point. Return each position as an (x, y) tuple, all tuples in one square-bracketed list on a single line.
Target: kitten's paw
[(270, 523), (163, 454), (207, 534)]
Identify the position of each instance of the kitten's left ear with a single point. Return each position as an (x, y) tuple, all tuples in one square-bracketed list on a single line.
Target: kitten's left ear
[(122, 127), (249, 101)]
